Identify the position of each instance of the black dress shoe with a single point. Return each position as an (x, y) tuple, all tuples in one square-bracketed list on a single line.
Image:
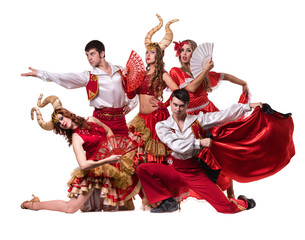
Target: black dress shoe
[(167, 205), (251, 202)]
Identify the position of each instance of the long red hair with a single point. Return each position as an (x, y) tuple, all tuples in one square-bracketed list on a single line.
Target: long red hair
[(67, 133), (156, 81)]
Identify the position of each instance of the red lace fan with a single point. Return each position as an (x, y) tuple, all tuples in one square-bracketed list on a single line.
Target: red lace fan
[(116, 145), (136, 72)]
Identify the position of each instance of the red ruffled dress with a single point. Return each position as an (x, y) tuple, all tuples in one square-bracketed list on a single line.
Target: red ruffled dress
[(116, 182), (144, 126), (199, 101)]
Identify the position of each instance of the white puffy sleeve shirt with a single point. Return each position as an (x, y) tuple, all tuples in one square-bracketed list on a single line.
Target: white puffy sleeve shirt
[(110, 94), (183, 143)]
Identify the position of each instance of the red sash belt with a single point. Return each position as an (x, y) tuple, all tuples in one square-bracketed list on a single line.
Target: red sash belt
[(109, 114)]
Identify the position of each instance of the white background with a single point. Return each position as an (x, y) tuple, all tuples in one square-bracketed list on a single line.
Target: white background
[(261, 42)]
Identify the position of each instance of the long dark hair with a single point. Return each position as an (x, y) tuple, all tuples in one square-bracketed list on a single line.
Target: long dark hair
[(67, 133)]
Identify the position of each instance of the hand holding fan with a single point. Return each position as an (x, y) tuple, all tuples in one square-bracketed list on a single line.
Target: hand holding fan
[(136, 72), (123, 145), (202, 54), (115, 145)]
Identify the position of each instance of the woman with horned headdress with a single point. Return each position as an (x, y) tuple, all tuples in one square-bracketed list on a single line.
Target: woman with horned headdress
[(150, 92), (107, 163)]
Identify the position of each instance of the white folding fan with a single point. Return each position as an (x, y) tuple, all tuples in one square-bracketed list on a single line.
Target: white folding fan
[(202, 54)]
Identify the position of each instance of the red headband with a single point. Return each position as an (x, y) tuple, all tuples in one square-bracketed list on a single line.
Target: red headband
[(178, 46)]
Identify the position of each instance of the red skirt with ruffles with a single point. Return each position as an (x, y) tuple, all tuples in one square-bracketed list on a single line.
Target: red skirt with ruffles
[(143, 125)]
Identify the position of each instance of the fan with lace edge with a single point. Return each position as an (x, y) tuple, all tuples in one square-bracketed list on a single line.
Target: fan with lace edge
[(202, 54), (136, 72)]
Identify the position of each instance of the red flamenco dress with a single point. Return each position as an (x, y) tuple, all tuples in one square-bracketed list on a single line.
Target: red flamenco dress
[(143, 125), (199, 101), (116, 183)]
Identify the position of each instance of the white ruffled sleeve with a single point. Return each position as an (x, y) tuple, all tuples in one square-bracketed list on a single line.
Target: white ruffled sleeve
[(212, 119), (66, 80)]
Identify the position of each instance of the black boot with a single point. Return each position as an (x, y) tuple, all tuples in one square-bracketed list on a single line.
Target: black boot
[(251, 202), (167, 205)]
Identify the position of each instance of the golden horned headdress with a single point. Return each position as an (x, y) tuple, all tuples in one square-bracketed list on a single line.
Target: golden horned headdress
[(168, 35), (56, 105)]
